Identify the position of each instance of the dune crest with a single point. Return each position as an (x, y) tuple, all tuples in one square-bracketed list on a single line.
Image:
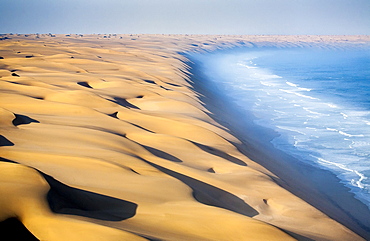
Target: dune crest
[(104, 138)]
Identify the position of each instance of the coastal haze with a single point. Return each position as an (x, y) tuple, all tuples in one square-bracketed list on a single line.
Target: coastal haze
[(339, 17), (184, 120)]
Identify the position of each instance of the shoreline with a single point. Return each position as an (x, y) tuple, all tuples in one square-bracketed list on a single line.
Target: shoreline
[(302, 179)]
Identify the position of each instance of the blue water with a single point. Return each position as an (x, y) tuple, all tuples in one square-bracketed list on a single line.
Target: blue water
[(318, 101)]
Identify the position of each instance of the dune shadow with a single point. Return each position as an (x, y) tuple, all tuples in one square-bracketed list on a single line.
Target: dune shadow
[(114, 115), (161, 154), (173, 84), (23, 120), (295, 235), (211, 195), (7, 160), (140, 127), (123, 102), (64, 199), (165, 88), (84, 84), (13, 229), (221, 154), (5, 142), (149, 81)]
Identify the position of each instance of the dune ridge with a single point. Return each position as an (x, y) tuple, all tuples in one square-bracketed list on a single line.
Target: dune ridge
[(103, 137)]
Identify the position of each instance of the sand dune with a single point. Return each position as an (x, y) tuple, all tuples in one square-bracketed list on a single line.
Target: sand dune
[(104, 138)]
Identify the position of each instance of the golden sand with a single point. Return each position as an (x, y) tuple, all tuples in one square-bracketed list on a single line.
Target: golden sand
[(103, 138)]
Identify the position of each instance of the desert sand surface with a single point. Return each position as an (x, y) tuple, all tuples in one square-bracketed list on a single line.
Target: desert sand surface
[(105, 137)]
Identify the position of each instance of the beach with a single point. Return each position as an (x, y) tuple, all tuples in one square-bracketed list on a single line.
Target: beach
[(116, 137)]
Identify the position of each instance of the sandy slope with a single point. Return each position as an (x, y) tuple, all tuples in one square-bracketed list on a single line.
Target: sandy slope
[(103, 138)]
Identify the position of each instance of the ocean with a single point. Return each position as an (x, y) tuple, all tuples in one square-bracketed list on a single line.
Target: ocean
[(317, 100)]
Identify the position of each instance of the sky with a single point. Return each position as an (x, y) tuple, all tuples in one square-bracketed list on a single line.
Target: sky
[(238, 17)]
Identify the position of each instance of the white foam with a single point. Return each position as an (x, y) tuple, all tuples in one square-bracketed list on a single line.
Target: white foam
[(314, 112), (349, 135), (331, 129), (291, 84), (331, 105), (297, 86), (362, 177), (344, 115), (356, 182), (266, 83), (306, 96), (304, 89), (265, 76), (297, 94), (247, 66)]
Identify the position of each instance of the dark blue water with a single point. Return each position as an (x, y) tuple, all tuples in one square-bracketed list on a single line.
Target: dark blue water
[(317, 100)]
